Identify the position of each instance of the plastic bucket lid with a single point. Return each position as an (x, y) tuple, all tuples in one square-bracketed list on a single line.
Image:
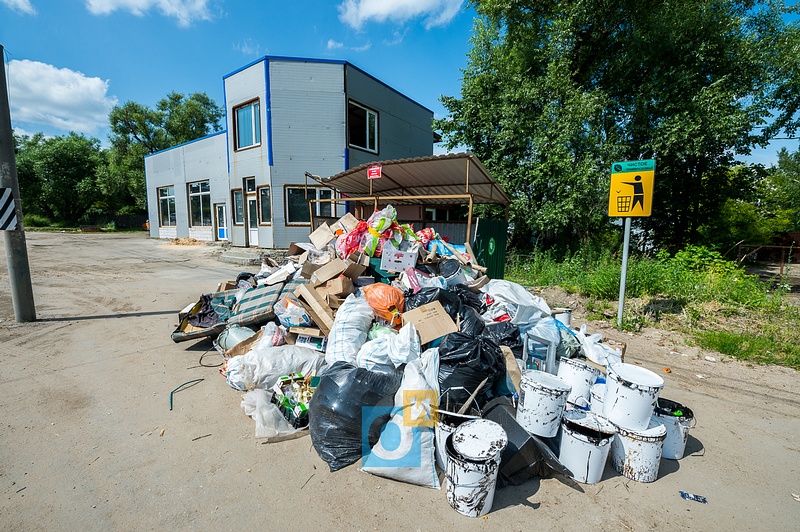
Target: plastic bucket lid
[(580, 365), (541, 379), (655, 431), (634, 376), (479, 440), (588, 420), (449, 267)]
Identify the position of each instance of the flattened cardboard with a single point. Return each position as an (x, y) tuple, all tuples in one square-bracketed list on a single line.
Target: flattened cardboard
[(297, 248), (345, 224), (334, 302), (316, 306), (308, 269), (321, 236), (431, 321), (244, 346), (328, 271), (478, 283)]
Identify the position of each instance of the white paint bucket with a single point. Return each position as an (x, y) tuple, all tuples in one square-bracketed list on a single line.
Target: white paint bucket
[(598, 393), (585, 441), (637, 453), (473, 461), (579, 375), (563, 314), (542, 398), (452, 272), (631, 394), (446, 424), (677, 419)]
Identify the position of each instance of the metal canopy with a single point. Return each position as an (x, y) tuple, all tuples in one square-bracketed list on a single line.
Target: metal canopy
[(436, 179)]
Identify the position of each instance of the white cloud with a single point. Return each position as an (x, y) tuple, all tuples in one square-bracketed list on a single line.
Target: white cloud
[(248, 47), (185, 11), (334, 45), (41, 94), (355, 13), (362, 48), (23, 6)]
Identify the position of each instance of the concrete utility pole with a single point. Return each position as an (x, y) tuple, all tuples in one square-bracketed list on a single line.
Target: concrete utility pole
[(19, 272)]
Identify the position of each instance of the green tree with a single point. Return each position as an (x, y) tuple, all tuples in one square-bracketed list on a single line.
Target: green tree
[(782, 189), (137, 131), (554, 92), (57, 175)]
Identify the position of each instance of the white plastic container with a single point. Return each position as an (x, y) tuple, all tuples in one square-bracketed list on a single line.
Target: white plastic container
[(579, 375), (585, 442), (563, 314), (631, 395), (473, 461), (447, 423), (636, 454), (677, 419), (542, 398), (598, 394)]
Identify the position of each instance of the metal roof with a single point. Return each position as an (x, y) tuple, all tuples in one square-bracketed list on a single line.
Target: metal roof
[(428, 180)]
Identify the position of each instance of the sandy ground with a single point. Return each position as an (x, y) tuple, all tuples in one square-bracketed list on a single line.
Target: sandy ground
[(89, 443)]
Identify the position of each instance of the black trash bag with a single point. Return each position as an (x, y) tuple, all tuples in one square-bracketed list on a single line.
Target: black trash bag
[(449, 300), (526, 455), (464, 361), (470, 321), (335, 410), (468, 297), (507, 334), (245, 280)]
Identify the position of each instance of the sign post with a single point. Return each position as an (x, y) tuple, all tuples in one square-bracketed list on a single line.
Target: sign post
[(631, 195)]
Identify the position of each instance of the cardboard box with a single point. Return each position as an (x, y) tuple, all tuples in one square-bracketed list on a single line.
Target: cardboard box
[(395, 260), (316, 307), (307, 337), (227, 285), (334, 302), (298, 248), (308, 269), (244, 346), (344, 225), (356, 264), (328, 271), (431, 321), (321, 236), (341, 286)]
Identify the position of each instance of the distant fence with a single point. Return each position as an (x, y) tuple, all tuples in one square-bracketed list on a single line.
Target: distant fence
[(121, 221), (780, 254)]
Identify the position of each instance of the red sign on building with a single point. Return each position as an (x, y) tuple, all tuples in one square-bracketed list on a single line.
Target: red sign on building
[(374, 171)]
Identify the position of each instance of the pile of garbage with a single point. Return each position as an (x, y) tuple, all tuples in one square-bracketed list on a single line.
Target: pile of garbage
[(393, 347)]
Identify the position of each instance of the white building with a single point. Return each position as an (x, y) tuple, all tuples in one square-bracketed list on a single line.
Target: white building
[(284, 117)]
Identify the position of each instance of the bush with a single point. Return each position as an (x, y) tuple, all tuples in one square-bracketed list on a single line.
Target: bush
[(35, 220)]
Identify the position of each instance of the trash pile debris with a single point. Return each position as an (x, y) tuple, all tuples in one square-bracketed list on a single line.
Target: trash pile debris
[(393, 347)]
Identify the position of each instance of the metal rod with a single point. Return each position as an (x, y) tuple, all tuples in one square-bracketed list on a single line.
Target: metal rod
[(624, 275), (19, 271)]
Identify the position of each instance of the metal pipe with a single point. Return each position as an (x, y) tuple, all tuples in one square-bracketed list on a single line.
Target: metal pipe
[(623, 277)]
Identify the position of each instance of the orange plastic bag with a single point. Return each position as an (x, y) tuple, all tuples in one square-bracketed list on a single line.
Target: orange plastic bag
[(386, 301)]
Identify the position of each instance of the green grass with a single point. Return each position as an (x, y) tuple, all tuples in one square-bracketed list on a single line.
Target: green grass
[(723, 308)]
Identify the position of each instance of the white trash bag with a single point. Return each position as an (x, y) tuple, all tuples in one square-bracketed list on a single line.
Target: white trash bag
[(349, 332)]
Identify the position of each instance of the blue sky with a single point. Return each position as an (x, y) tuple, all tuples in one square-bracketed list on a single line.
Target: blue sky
[(70, 61)]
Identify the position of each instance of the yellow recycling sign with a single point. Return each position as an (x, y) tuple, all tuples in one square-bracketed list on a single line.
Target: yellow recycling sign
[(632, 188)]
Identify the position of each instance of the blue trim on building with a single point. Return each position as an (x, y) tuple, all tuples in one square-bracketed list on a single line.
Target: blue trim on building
[(188, 142), (268, 113), (227, 138), (346, 159), (329, 61)]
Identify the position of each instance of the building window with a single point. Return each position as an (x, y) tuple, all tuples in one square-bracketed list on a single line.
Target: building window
[(362, 127), (166, 207), (297, 205), (200, 204), (265, 206), (238, 207), (247, 126), (250, 184)]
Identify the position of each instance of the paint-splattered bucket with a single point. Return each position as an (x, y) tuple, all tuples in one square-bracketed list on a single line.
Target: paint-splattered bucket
[(473, 460), (585, 441), (631, 394), (678, 419), (579, 375), (598, 393), (542, 398), (637, 453)]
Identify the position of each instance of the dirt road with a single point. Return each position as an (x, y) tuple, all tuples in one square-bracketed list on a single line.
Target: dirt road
[(89, 443)]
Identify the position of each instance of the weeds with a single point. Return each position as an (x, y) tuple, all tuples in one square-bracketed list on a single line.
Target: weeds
[(724, 308)]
